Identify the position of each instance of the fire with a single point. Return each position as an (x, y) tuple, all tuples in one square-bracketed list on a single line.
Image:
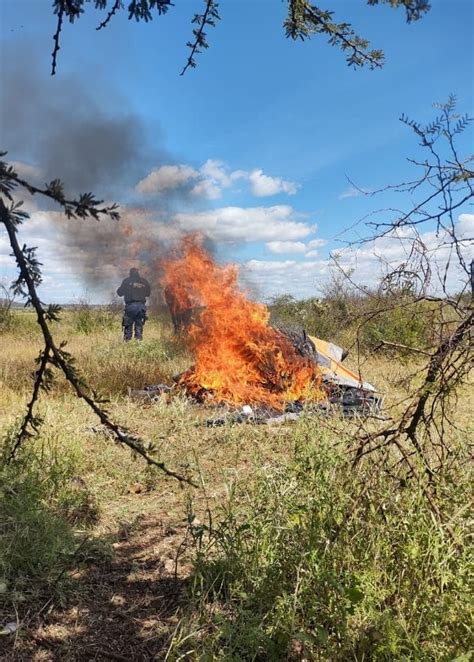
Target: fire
[(239, 357)]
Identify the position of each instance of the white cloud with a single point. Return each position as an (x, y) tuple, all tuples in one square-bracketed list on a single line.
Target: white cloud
[(207, 189), (273, 278), (286, 247), (465, 226), (211, 179), (262, 185), (243, 224), (303, 278), (165, 178), (376, 258)]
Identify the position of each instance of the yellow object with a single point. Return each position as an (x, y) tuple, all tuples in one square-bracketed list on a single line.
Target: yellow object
[(330, 359)]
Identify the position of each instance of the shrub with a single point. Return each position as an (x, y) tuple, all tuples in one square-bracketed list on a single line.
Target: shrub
[(5, 309), (369, 319), (401, 324), (91, 319)]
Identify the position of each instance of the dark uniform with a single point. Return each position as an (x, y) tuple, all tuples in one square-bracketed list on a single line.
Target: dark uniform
[(135, 291)]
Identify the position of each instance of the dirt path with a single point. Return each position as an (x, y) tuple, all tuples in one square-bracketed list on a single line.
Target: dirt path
[(122, 609)]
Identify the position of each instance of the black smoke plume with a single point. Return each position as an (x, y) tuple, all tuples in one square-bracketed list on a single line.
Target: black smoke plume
[(60, 126)]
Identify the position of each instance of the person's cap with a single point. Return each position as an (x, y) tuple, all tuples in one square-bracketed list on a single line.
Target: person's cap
[(133, 272)]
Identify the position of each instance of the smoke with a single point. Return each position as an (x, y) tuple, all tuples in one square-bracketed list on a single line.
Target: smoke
[(64, 127), (61, 126)]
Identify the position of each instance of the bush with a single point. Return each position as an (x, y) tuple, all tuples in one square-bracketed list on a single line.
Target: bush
[(93, 319), (303, 567), (404, 323), (347, 317), (5, 309)]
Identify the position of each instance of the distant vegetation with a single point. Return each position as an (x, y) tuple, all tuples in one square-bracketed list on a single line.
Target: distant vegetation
[(366, 321)]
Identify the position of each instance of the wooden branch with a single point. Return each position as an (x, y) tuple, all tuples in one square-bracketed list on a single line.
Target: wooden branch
[(56, 36), (92, 210), (110, 15), (29, 419), (199, 35)]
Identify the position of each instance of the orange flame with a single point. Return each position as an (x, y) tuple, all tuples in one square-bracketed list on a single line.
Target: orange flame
[(239, 358)]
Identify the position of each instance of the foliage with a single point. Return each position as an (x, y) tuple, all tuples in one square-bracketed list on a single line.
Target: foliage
[(5, 309), (397, 322), (317, 561), (367, 323), (87, 319), (302, 22)]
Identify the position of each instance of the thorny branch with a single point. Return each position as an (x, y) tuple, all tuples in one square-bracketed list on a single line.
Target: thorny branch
[(59, 10), (84, 207), (303, 21), (117, 5), (53, 355), (417, 430), (32, 422), (208, 18)]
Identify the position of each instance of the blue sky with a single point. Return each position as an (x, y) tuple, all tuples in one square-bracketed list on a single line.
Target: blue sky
[(253, 147)]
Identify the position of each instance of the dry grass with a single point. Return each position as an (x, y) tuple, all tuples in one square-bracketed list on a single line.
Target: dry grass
[(142, 515)]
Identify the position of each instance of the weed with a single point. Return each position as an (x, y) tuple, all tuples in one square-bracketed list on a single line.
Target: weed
[(41, 498), (301, 565)]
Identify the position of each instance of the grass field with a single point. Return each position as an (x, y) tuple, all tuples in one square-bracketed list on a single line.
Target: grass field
[(284, 552)]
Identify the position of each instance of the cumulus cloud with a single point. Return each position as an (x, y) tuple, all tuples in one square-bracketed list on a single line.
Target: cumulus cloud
[(309, 249), (275, 277), (378, 257), (243, 224), (465, 227), (282, 247), (165, 178), (206, 189), (262, 185), (210, 180), (95, 255), (303, 278), (27, 170)]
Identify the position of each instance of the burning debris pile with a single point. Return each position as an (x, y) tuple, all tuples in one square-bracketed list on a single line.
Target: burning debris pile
[(240, 359)]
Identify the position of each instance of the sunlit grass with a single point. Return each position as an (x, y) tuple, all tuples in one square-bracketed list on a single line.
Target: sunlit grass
[(74, 480)]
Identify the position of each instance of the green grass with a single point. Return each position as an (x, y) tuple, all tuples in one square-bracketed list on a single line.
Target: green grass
[(299, 565)]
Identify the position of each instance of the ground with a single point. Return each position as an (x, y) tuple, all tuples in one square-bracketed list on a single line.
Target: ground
[(122, 595)]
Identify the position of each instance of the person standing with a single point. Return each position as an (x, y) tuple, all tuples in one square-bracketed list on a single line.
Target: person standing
[(135, 291), (180, 307)]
